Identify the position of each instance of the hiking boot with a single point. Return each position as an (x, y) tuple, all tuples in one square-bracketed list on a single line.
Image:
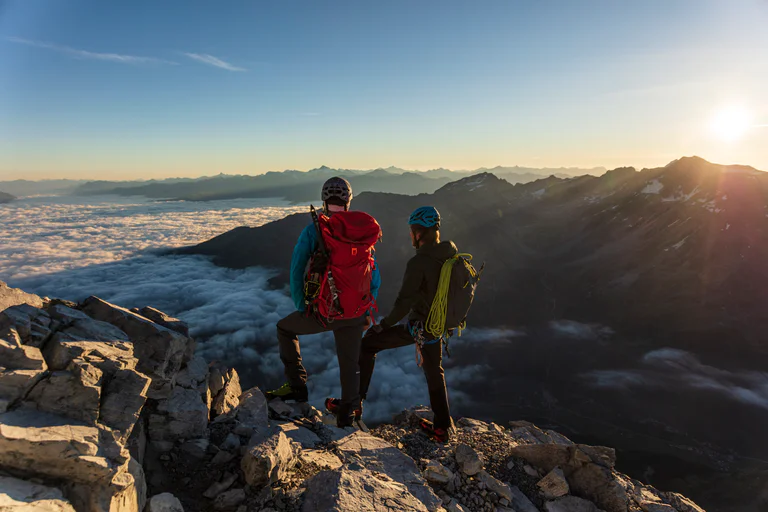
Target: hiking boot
[(332, 406), (288, 392), (440, 435)]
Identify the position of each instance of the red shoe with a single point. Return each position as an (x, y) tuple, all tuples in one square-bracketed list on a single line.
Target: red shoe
[(332, 406), (441, 435)]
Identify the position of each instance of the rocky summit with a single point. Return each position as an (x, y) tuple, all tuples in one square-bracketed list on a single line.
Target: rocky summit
[(103, 408)]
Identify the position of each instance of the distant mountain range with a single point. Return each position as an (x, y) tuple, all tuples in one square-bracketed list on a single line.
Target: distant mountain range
[(6, 198), (657, 277), (296, 186)]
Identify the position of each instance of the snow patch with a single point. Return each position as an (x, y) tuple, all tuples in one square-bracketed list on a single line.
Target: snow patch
[(680, 243), (653, 187), (681, 197), (539, 192)]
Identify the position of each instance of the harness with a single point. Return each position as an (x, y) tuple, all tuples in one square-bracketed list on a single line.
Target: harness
[(417, 330)]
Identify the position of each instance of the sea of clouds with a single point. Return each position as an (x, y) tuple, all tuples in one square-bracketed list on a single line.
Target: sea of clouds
[(114, 248)]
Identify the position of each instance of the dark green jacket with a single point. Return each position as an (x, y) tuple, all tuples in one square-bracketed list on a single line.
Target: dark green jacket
[(420, 283)]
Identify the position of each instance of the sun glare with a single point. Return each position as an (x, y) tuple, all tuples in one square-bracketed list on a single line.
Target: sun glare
[(730, 124)]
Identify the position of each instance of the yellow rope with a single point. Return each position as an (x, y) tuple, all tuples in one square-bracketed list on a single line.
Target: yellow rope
[(435, 324)]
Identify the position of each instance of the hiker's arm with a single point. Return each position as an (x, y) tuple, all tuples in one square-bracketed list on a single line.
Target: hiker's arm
[(375, 279), (409, 291), (301, 254)]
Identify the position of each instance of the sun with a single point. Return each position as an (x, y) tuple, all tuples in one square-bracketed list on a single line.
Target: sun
[(731, 123)]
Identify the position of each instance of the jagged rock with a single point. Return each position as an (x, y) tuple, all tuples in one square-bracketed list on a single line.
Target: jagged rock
[(228, 396), (267, 460), (455, 506), (230, 443), (75, 393), (321, 458), (342, 490), (10, 297), (495, 485), (379, 456), (219, 487), (108, 356), (161, 318), (161, 351), (681, 503), (23, 496), (520, 501), (34, 441), (16, 356), (437, 473), (570, 504), (656, 506), (229, 500), (600, 485), (305, 437), (86, 328), (184, 416), (195, 372), (472, 425), (32, 324), (280, 408), (216, 378), (469, 460), (252, 411), (140, 484), (165, 502), (554, 485), (123, 398)]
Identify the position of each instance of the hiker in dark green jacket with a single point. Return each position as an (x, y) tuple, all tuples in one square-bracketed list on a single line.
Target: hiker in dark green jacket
[(417, 292)]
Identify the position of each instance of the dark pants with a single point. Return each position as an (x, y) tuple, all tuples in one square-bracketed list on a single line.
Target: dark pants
[(347, 334), (399, 336)]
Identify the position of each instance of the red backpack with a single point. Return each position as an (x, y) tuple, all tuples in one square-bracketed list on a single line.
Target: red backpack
[(346, 242)]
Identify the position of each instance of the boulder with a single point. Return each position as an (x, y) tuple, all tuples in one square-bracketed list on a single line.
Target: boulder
[(222, 457), (222, 485), (32, 324), (554, 484), (493, 484), (280, 408), (600, 485), (108, 356), (161, 318), (10, 297), (181, 416), (378, 456), (437, 473), (75, 393), (229, 500), (165, 502), (320, 458), (252, 411), (230, 443), (469, 460), (16, 356), (37, 442), (570, 504), (267, 460), (194, 373), (520, 501), (342, 490), (471, 425), (161, 351), (216, 377), (228, 395), (22, 496), (123, 398), (195, 449)]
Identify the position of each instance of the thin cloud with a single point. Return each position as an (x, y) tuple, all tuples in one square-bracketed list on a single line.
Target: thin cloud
[(213, 61), (85, 54)]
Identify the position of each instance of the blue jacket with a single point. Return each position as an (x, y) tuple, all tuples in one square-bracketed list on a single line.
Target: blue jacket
[(305, 247)]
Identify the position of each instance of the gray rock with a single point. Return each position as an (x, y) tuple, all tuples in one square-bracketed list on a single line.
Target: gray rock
[(252, 410), (305, 437), (230, 443), (520, 501), (342, 490), (437, 473), (194, 373), (216, 378), (161, 318), (75, 393), (228, 397), (570, 504), (472, 425), (22, 496), (268, 460), (88, 329), (182, 416), (554, 485), (161, 351), (123, 398), (323, 459), (469, 460), (681, 503), (377, 455), (280, 408), (165, 502), (140, 484), (32, 324), (222, 485), (10, 297), (195, 449), (223, 457), (108, 356), (655, 506), (229, 500), (493, 484), (16, 356)]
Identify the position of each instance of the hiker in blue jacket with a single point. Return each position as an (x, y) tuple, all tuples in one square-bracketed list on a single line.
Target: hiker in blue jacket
[(336, 196)]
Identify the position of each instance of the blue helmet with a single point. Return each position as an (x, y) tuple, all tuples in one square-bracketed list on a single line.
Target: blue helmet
[(426, 216)]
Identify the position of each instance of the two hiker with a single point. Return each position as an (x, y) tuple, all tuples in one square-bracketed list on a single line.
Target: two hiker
[(421, 284)]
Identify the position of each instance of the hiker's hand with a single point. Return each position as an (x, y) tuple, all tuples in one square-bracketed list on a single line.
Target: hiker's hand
[(376, 329)]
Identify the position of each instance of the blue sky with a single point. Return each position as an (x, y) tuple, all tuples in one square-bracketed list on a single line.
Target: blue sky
[(125, 90)]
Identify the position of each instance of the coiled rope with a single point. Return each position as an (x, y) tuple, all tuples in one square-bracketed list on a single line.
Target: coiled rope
[(438, 312)]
